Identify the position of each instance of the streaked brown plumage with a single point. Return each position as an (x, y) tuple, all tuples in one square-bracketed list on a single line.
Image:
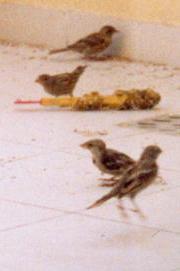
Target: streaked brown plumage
[(60, 84), (107, 160), (93, 44), (136, 178)]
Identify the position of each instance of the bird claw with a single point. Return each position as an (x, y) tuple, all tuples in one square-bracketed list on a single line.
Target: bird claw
[(107, 179), (140, 213), (107, 184), (122, 210)]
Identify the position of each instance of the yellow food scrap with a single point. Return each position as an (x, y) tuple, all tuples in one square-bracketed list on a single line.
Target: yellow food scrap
[(119, 100), (139, 99)]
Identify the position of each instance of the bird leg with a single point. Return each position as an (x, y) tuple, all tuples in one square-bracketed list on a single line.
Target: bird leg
[(107, 179), (108, 182), (137, 209), (122, 209)]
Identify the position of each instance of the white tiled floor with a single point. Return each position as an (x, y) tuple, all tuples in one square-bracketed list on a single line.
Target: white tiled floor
[(47, 180)]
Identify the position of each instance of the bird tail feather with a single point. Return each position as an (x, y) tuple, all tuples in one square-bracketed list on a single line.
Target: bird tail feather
[(55, 51), (106, 197)]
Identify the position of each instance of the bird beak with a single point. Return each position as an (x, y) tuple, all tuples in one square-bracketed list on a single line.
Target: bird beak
[(37, 80), (83, 145)]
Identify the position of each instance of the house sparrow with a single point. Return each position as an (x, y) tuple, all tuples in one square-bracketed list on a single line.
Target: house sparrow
[(92, 44), (135, 179), (60, 84), (107, 160)]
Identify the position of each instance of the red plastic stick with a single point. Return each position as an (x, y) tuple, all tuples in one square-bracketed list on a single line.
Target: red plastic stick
[(19, 101)]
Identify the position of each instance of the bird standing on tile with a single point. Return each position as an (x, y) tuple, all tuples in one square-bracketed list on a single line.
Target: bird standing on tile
[(108, 161), (135, 179), (93, 44), (60, 84)]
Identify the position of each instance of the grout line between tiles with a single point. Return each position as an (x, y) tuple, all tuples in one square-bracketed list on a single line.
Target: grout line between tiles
[(87, 215), (63, 152), (130, 224), (29, 224)]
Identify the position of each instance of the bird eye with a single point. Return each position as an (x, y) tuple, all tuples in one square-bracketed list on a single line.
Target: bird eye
[(90, 145)]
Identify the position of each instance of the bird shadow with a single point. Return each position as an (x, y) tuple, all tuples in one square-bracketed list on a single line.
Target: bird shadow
[(128, 238), (41, 110), (101, 58), (58, 109), (66, 60)]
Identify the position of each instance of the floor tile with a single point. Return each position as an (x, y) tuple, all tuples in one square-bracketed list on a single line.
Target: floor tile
[(101, 245), (15, 216), (47, 180)]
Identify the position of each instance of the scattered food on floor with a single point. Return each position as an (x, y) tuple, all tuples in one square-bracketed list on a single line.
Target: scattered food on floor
[(90, 133)]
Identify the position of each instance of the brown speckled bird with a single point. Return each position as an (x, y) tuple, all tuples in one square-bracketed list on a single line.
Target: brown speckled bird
[(135, 179), (93, 44), (108, 161), (60, 84)]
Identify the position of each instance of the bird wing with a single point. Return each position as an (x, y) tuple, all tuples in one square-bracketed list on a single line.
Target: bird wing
[(136, 177), (62, 79), (129, 183), (91, 40), (114, 160)]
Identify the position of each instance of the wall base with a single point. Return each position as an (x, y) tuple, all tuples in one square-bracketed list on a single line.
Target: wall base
[(56, 28)]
